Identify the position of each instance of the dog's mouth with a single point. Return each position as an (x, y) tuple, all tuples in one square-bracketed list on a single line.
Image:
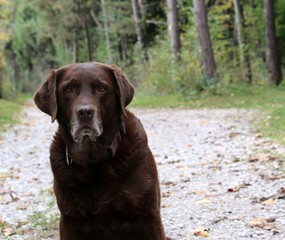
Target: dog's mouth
[(86, 133)]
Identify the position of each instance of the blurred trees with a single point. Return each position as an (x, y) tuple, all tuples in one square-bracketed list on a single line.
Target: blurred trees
[(38, 35), (204, 39), (272, 58), (173, 26)]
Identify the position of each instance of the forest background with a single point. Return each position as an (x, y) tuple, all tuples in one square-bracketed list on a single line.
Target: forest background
[(177, 50)]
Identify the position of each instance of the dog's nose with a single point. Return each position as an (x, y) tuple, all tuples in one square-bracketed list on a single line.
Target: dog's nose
[(85, 112)]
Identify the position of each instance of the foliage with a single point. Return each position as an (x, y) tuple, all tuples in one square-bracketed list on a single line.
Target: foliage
[(159, 71), (280, 27), (39, 35)]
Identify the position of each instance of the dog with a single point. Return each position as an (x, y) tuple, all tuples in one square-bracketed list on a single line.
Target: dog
[(105, 177)]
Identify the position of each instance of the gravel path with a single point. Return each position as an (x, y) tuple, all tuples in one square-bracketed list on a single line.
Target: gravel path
[(216, 173)]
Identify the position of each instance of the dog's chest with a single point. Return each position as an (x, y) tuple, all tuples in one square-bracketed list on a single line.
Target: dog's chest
[(96, 202)]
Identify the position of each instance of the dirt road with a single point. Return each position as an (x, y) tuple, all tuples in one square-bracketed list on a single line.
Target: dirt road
[(216, 172)]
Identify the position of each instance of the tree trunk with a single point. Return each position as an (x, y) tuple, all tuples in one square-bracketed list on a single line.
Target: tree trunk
[(243, 48), (106, 32), (173, 29), (95, 20), (84, 25), (204, 40), (75, 47), (136, 16), (138, 27), (238, 27), (272, 59)]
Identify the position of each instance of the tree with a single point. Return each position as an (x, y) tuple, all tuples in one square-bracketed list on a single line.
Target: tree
[(272, 58), (204, 40), (5, 15), (106, 31), (84, 24), (242, 43), (137, 17), (173, 28)]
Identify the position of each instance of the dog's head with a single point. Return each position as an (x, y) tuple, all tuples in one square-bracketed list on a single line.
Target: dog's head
[(86, 97)]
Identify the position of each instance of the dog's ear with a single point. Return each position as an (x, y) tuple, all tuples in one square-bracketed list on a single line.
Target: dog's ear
[(125, 89), (45, 97)]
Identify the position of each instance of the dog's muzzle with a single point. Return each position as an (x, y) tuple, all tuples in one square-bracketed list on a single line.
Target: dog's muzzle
[(85, 122)]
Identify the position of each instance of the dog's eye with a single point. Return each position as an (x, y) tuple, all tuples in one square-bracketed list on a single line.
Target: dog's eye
[(68, 89), (101, 88)]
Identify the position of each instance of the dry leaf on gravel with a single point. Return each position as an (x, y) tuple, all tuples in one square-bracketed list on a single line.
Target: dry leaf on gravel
[(237, 187), (260, 222), (263, 157), (4, 175), (268, 202), (202, 232), (270, 199), (168, 183), (21, 207), (7, 231), (234, 189), (203, 201), (233, 134)]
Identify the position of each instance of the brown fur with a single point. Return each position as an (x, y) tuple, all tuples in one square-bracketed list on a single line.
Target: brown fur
[(117, 199)]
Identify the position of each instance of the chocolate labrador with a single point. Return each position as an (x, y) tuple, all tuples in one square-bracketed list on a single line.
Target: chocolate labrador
[(105, 177)]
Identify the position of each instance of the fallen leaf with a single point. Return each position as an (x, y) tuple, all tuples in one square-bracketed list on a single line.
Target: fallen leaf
[(199, 192), (263, 157), (276, 177), (166, 194), (233, 134), (202, 231), (268, 202), (238, 187), (203, 201), (4, 175), (258, 135), (8, 231), (217, 220), (234, 189), (168, 183), (260, 222), (257, 222), (21, 207)]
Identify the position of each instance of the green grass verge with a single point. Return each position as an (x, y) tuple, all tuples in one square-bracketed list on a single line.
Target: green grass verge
[(269, 100), (10, 109)]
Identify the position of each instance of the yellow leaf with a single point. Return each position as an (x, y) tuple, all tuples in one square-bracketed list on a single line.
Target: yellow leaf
[(203, 201), (268, 202), (202, 232)]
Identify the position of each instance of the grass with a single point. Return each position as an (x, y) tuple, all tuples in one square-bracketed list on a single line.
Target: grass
[(10, 109), (269, 100), (8, 112)]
